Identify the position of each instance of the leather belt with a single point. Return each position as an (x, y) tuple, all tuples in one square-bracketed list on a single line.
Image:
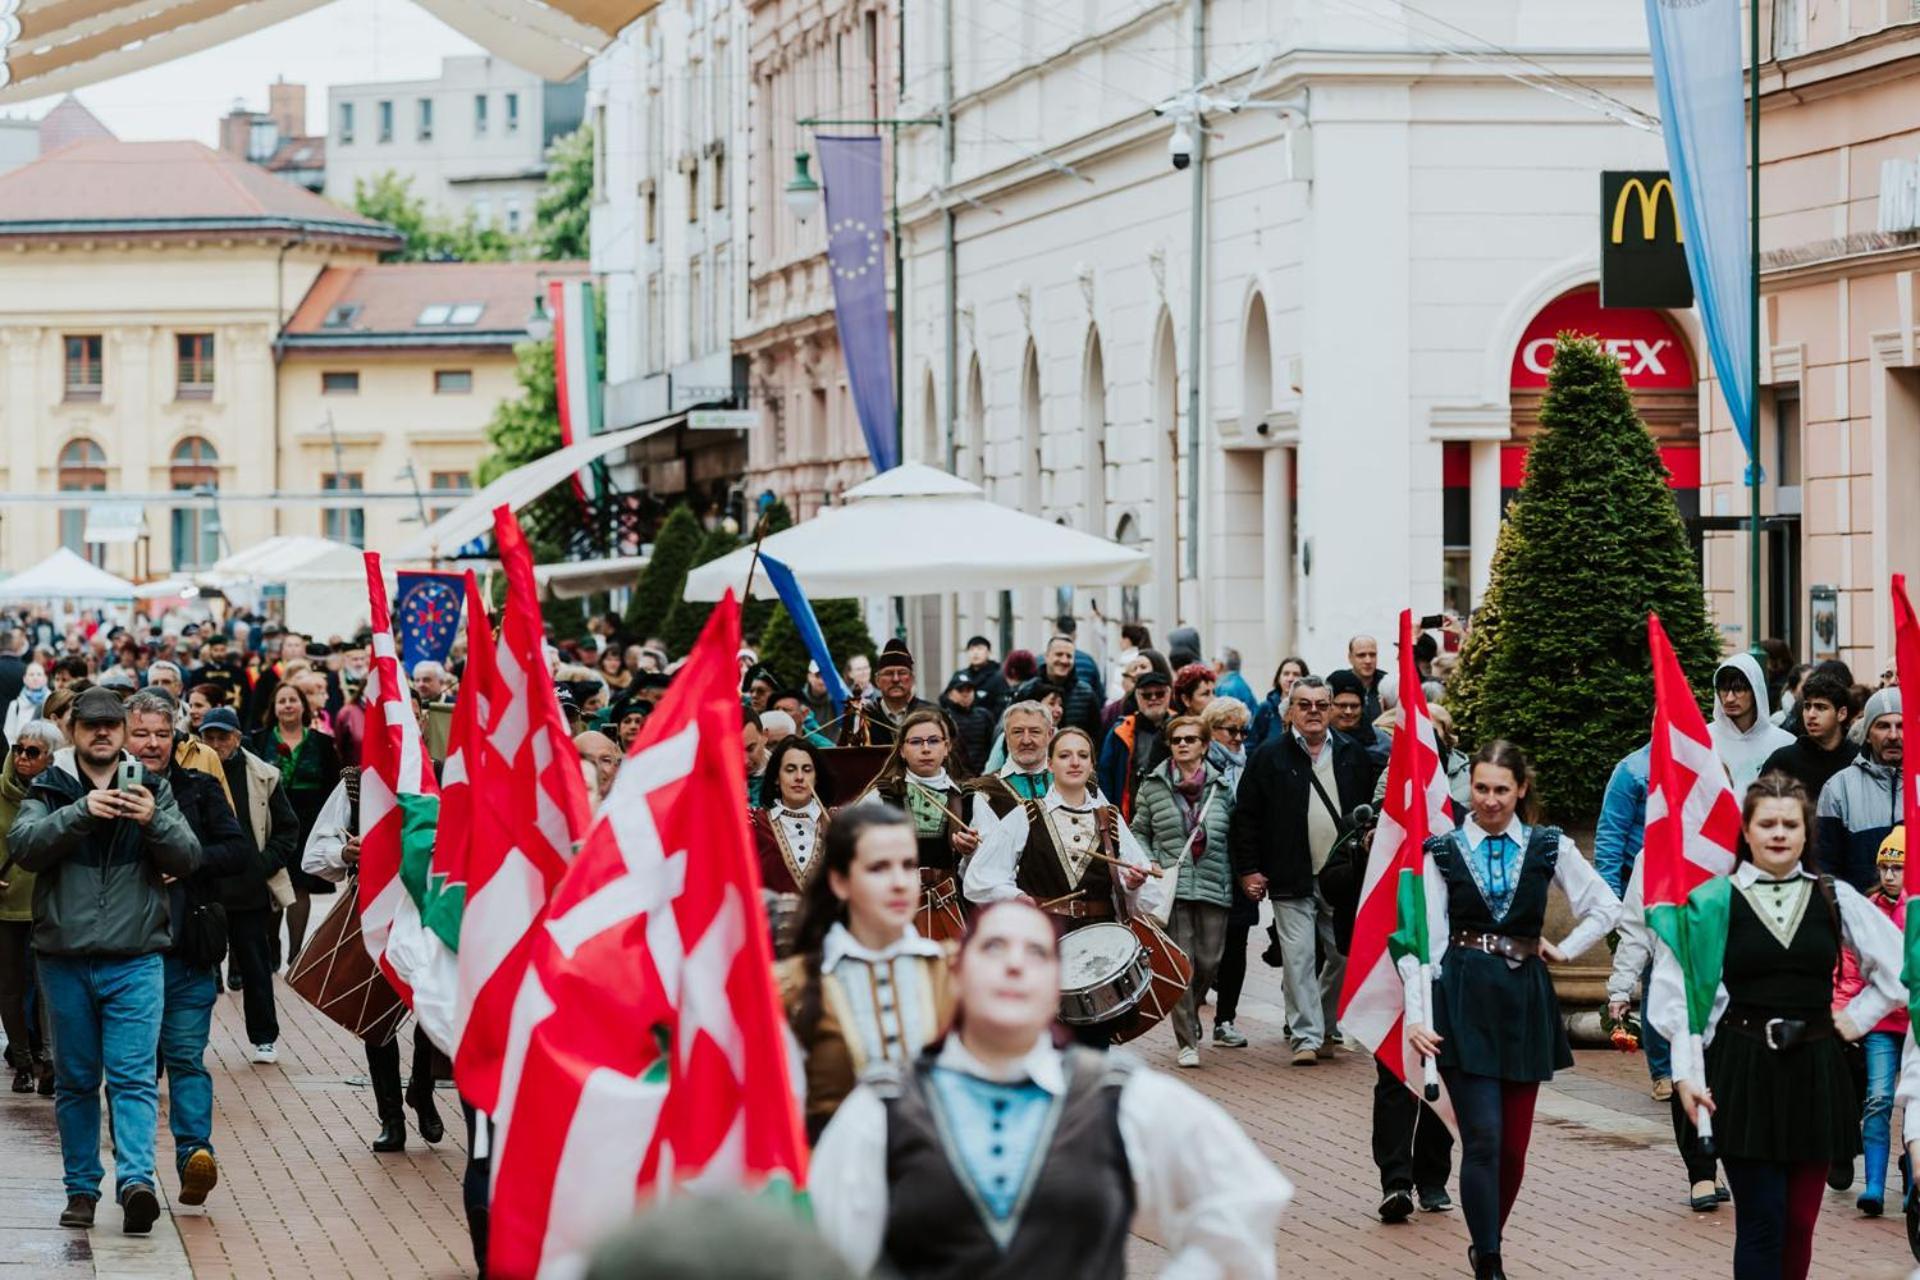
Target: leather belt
[(1778, 1033), (1504, 945), (1081, 909)]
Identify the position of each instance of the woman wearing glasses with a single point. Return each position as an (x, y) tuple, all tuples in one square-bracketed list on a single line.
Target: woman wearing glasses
[(1180, 817), (1228, 724), (27, 1048), (923, 779)]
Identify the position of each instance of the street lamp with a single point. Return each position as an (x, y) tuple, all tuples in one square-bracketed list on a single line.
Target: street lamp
[(539, 324), (803, 193)]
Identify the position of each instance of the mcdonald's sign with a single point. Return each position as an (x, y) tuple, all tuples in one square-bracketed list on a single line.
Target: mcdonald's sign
[(1643, 254)]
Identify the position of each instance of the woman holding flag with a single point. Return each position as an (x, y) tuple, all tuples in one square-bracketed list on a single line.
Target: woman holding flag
[(1495, 1029), (1774, 1076)]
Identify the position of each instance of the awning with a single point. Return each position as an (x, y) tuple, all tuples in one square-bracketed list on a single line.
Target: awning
[(474, 516), (280, 559), (66, 44), (574, 579)]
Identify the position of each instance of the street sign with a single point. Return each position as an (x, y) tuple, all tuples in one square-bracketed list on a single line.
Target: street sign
[(723, 419), (1643, 256)]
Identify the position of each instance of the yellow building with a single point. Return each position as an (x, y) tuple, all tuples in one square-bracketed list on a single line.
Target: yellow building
[(396, 366), (142, 287)]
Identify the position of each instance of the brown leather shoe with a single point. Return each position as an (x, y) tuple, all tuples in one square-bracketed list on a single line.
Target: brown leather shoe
[(78, 1213)]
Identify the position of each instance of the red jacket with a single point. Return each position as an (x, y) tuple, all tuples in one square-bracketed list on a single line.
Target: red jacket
[(1851, 981)]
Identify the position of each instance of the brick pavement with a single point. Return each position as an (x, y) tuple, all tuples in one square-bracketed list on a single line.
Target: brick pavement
[(301, 1196)]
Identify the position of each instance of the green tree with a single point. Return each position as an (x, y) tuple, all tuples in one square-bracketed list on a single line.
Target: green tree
[(756, 613), (560, 214), (687, 618), (1593, 543), (524, 429), (841, 624), (389, 198), (661, 581)]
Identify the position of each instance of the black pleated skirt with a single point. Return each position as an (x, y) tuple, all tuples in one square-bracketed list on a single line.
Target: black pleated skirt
[(1788, 1105), (1497, 1019)]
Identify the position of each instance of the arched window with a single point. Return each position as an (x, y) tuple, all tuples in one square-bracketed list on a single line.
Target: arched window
[(82, 469), (196, 530), (1093, 431), (1127, 534)]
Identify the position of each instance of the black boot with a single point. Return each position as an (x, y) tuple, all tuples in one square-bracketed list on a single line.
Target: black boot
[(393, 1117), (420, 1098), (1486, 1266)]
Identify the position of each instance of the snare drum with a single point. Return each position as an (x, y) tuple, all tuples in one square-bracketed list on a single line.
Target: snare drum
[(783, 918), (941, 915), (1104, 973)]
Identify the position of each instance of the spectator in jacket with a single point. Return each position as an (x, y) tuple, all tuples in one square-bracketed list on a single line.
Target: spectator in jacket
[(28, 703), (1861, 803), (1143, 661), (1617, 840), (1231, 683), (1742, 731), (1079, 700), (1271, 715), (192, 963), (1180, 818), (1825, 709), (101, 921), (27, 1047), (1282, 834), (253, 919), (1134, 637), (1135, 746), (990, 688), (896, 700), (1225, 721), (1363, 663), (1183, 646), (973, 724), (309, 768), (1351, 721)]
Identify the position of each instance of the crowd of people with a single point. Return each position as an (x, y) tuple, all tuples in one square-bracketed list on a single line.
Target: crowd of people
[(943, 877)]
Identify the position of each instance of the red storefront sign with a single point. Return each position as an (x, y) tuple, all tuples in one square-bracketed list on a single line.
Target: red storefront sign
[(1651, 351)]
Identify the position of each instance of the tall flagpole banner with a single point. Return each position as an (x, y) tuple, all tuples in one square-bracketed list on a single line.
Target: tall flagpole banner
[(576, 366), (857, 256), (1906, 657), (1696, 70)]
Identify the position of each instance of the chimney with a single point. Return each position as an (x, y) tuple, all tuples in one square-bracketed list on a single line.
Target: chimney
[(235, 129), (287, 104)]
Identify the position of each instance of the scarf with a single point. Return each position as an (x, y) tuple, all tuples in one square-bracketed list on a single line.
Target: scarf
[(1186, 796), (35, 698), (288, 758)]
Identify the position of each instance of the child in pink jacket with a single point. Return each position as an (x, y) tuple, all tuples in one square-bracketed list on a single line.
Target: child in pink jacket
[(1883, 1044)]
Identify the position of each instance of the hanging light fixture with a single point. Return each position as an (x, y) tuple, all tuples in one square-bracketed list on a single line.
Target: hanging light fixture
[(803, 193)]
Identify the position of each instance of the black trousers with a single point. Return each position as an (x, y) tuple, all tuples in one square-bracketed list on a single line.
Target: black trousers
[(473, 1189), (26, 1036), (383, 1064), (1231, 976), (1700, 1167), (1411, 1144), (250, 939)]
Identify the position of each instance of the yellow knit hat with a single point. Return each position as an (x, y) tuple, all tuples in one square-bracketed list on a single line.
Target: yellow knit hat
[(1893, 850)]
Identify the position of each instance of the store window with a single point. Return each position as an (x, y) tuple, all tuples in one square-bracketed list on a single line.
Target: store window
[(193, 364), (82, 469), (196, 530)]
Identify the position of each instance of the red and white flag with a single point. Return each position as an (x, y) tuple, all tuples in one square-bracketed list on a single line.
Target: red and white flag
[(648, 1052), (1392, 917), (453, 842), (527, 775)]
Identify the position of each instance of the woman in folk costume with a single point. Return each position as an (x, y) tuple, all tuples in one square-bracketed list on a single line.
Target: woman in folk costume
[(923, 779), (998, 1155), (1495, 1029), (789, 824), (863, 988), (1774, 1072)]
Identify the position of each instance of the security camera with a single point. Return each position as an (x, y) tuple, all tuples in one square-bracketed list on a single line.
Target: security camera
[(1180, 145)]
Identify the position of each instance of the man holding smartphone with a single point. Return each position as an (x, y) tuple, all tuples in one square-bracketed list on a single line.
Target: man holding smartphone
[(102, 834)]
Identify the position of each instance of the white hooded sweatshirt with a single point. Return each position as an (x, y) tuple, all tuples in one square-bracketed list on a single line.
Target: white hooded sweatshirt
[(1744, 753)]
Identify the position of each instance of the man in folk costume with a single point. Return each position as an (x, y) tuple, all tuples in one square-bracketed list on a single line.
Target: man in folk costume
[(1026, 726), (876, 722)]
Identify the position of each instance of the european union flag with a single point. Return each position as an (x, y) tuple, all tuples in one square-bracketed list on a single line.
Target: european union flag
[(429, 616)]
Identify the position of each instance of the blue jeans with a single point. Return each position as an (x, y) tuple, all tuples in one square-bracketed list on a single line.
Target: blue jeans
[(1883, 1068), (183, 1046), (104, 1014), (1659, 1052)]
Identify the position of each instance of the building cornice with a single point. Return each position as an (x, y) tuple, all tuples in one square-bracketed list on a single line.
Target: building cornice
[(1862, 253), (471, 340), (1867, 60), (357, 235)]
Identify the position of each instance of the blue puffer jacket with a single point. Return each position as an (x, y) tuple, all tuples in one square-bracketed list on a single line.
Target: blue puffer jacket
[(1267, 721)]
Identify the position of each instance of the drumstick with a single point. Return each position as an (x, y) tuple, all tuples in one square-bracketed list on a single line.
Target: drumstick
[(1146, 867), (1063, 898)]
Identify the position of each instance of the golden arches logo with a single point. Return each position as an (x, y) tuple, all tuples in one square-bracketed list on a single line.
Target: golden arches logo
[(1649, 209)]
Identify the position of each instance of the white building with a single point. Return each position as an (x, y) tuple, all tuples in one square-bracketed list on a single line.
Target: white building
[(473, 141), (1371, 260), (666, 99)]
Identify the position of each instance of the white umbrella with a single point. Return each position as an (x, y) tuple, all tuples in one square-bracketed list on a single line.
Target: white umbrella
[(916, 530), (65, 576)]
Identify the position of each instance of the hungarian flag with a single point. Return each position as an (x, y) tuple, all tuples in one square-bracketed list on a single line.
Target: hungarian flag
[(649, 1054), (1906, 657), (1693, 830), (447, 876), (576, 370), (1392, 918), (399, 811), (527, 774)]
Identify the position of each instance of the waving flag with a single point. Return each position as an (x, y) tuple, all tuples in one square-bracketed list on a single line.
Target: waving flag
[(857, 259), (429, 609), (399, 810), (800, 609), (1693, 829), (447, 876), (576, 371), (649, 1052), (527, 773), (1906, 656), (1392, 919)]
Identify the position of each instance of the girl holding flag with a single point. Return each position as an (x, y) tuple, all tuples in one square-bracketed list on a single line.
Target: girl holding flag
[(1495, 1028), (1774, 1076)]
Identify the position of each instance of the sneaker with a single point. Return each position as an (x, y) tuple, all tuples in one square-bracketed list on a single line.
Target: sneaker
[(1662, 1089), (1305, 1057), (264, 1054), (139, 1209), (1435, 1200), (1189, 1057), (1227, 1036), (1396, 1205), (199, 1176), (78, 1213)]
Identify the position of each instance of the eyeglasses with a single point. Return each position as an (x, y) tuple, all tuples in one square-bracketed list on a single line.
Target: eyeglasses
[(921, 743), (1154, 694), (1304, 705), (1234, 733), (1184, 740)]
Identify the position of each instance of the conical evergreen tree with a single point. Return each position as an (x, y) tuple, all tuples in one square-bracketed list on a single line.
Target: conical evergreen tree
[(1593, 542), (841, 623), (687, 618), (666, 573)]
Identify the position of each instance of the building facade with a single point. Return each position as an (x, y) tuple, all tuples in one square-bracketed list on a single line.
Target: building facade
[(141, 295), (473, 141), (1839, 437)]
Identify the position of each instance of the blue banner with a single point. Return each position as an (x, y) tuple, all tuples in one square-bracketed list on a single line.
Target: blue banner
[(800, 609), (1697, 72), (427, 616), (857, 257)]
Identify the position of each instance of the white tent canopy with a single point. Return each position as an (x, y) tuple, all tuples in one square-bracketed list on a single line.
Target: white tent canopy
[(65, 576), (916, 530), (284, 559)]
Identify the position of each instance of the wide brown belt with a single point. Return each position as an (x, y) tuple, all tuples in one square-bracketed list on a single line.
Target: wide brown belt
[(1081, 909), (1504, 945)]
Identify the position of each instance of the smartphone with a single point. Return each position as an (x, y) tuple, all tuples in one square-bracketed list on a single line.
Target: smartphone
[(1433, 621), (129, 775)]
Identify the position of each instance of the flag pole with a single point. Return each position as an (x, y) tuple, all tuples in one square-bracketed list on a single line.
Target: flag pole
[(759, 536), (1753, 426), (1429, 1070)]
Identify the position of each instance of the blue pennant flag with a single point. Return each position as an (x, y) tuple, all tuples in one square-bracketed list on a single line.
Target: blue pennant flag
[(428, 616), (800, 609), (857, 257)]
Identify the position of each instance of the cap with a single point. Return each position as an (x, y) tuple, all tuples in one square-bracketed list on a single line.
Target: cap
[(1893, 849), (98, 706), (651, 680), (1151, 678), (961, 680), (895, 654), (220, 718), (118, 679), (979, 640)]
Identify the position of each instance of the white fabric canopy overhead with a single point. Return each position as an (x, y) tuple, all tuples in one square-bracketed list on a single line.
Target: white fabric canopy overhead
[(65, 576), (575, 579), (284, 558), (916, 530)]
